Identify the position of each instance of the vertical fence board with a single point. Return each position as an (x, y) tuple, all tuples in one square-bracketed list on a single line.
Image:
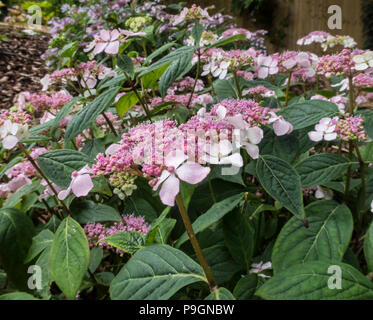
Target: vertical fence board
[(304, 16)]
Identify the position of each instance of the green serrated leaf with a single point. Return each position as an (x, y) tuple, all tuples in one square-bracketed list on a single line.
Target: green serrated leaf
[(125, 63), (86, 211), (239, 238), (69, 257), (41, 241), (282, 183), (176, 70), (17, 296), (220, 294), (368, 247), (58, 165), (155, 273), (321, 168), (309, 281), (246, 287), (126, 241), (126, 102), (16, 232), (326, 238), (85, 117), (308, 113)]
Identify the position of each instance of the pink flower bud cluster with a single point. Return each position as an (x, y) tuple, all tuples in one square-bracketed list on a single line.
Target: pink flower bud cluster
[(185, 84), (338, 64), (258, 93), (143, 145), (351, 128), (235, 31), (182, 100), (364, 98), (314, 37), (96, 231), (54, 100), (63, 76), (301, 64), (339, 100), (25, 167), (251, 111), (347, 129), (102, 124), (363, 80), (18, 116)]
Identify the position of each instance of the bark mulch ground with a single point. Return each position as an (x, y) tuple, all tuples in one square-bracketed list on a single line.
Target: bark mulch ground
[(21, 67)]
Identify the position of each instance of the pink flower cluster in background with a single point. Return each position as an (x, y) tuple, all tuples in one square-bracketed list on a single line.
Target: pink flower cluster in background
[(97, 231)]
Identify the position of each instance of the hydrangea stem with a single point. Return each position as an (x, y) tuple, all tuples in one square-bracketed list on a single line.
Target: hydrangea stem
[(349, 173), (109, 124), (133, 88), (363, 184), (239, 92), (195, 79), (288, 90), (351, 91), (24, 150), (192, 237), (211, 190)]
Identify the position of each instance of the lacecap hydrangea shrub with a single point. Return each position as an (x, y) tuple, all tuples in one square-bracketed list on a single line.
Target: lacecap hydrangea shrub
[(169, 156)]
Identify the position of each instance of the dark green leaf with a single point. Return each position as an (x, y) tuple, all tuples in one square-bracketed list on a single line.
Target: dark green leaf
[(16, 232), (86, 211), (309, 281), (155, 273), (321, 168), (281, 182), (69, 257), (327, 238), (58, 165), (85, 117)]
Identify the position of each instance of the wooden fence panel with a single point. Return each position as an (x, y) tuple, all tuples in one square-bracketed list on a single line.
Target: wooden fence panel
[(304, 16)]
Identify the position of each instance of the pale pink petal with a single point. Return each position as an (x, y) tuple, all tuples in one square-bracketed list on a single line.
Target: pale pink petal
[(330, 136), (112, 48), (263, 73), (255, 135), (81, 185), (237, 121), (290, 63), (325, 120), (321, 127), (282, 127), (10, 142), (105, 35), (192, 172), (62, 195), (85, 169), (17, 183), (315, 136), (169, 190), (221, 112), (252, 150), (90, 46), (210, 159), (99, 47), (164, 175), (234, 159), (175, 158), (225, 147), (114, 35)]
